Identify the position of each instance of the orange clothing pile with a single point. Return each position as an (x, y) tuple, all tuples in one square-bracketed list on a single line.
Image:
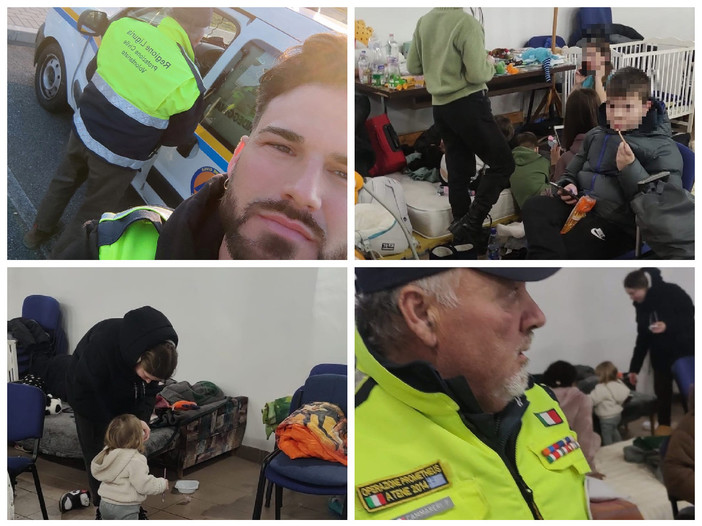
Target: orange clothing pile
[(315, 430)]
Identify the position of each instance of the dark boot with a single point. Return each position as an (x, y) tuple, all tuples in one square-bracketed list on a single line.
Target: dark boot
[(469, 228)]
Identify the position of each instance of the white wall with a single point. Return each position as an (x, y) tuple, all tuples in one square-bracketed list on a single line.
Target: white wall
[(589, 317), (253, 332), (511, 28)]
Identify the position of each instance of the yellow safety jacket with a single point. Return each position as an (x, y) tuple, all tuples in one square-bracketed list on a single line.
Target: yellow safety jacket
[(145, 92), (416, 458), (132, 234)]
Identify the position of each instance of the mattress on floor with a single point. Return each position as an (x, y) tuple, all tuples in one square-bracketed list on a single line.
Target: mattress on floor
[(635, 482), (430, 212)]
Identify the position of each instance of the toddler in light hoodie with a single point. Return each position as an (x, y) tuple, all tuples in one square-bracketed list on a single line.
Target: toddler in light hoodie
[(607, 399), (123, 471)]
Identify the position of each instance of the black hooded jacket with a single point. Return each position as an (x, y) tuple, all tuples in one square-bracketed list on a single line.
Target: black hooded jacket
[(673, 306), (102, 382)]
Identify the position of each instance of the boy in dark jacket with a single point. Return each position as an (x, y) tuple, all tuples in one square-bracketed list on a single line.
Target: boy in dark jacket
[(116, 369), (634, 144)]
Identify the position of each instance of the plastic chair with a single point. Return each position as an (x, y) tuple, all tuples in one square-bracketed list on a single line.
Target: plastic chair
[(684, 374), (25, 420), (46, 311), (306, 475)]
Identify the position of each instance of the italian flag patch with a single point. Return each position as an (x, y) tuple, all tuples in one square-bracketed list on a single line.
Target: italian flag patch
[(375, 501), (549, 418)]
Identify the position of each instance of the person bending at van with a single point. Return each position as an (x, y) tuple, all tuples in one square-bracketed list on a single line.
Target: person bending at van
[(634, 144), (284, 194), (124, 116), (448, 48)]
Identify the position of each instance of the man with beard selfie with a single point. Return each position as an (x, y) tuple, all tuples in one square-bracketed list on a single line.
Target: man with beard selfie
[(449, 424), (284, 195)]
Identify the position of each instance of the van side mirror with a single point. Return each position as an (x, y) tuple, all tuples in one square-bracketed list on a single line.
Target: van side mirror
[(93, 23)]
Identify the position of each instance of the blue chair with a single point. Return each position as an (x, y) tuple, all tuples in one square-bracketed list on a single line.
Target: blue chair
[(684, 374), (688, 172), (46, 311), (25, 420), (306, 475)]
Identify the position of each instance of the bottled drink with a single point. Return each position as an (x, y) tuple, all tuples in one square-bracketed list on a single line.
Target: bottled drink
[(393, 49), (377, 55), (493, 248), (379, 75), (393, 73), (364, 75)]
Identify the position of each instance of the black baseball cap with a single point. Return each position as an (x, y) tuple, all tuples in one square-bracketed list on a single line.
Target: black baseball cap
[(376, 279)]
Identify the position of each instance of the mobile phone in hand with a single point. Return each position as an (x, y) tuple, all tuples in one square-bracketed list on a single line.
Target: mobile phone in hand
[(559, 187)]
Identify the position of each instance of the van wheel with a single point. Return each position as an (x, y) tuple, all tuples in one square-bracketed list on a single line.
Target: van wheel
[(50, 79)]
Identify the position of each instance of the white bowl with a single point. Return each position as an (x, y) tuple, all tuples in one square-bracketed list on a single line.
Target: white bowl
[(187, 486)]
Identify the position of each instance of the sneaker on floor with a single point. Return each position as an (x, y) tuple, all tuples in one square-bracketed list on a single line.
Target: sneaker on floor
[(36, 238), (79, 498)]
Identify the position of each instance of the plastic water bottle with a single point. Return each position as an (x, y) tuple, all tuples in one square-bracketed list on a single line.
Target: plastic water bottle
[(377, 55), (364, 74), (393, 73), (493, 248), (393, 49)]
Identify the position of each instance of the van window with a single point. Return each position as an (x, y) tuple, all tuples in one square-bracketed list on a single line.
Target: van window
[(231, 107)]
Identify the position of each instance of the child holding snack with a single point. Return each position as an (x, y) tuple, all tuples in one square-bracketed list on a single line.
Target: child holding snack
[(123, 471), (632, 142)]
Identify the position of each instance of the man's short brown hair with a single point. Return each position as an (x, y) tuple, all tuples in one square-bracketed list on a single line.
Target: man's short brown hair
[(321, 59)]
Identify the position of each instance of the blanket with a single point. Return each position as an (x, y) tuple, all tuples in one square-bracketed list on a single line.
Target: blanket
[(315, 430)]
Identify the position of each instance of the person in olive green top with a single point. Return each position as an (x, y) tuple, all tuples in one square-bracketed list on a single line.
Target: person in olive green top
[(448, 48), (531, 172)]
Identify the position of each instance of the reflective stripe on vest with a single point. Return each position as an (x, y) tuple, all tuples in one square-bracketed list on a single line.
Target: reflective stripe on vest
[(132, 234), (414, 456), (97, 148), (126, 106)]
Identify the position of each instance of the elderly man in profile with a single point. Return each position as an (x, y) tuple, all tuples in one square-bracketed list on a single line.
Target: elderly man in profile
[(449, 424)]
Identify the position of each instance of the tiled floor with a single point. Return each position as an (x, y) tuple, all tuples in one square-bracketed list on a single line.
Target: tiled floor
[(227, 491)]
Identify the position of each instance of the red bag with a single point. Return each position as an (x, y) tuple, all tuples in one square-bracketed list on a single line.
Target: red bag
[(386, 145)]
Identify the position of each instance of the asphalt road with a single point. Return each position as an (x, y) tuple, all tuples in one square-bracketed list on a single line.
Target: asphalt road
[(36, 140)]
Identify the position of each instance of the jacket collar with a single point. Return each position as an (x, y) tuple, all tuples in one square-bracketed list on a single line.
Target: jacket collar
[(194, 230), (428, 392), (175, 32)]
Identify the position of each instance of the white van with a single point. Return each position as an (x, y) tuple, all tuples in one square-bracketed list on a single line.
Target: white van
[(239, 46)]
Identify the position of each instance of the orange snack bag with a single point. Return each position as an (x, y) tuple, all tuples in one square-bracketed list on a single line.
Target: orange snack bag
[(582, 207)]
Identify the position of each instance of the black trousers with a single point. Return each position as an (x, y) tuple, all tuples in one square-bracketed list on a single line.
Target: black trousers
[(663, 387), (468, 128), (591, 238), (91, 437), (105, 186)]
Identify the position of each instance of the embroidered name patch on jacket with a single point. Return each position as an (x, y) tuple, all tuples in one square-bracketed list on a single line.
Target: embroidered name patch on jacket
[(388, 492)]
